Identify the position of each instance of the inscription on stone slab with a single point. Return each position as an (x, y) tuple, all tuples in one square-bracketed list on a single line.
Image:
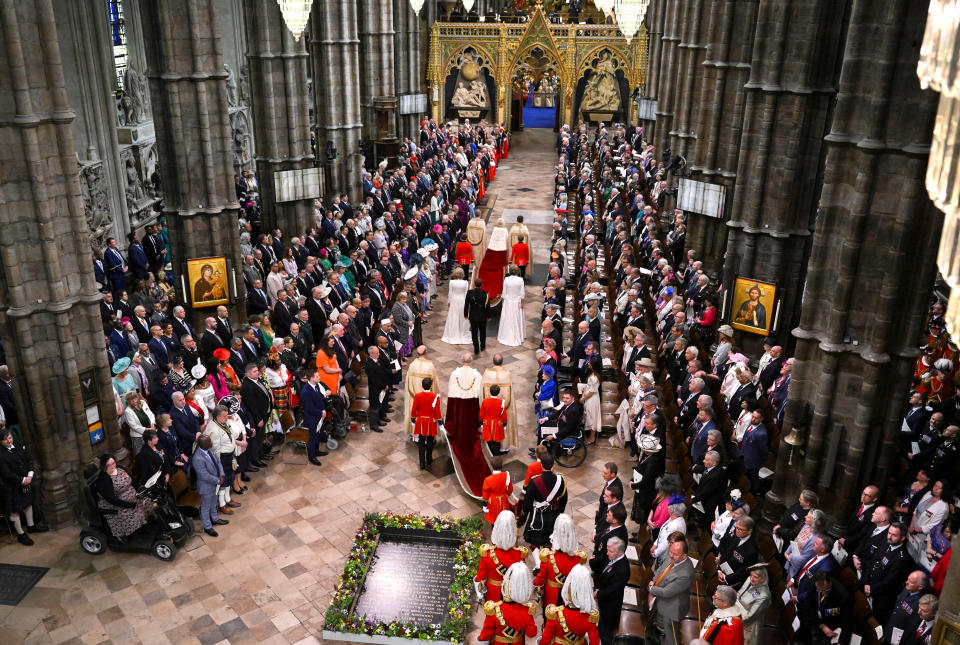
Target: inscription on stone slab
[(409, 579)]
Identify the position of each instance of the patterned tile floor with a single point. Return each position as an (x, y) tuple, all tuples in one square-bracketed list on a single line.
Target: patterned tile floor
[(270, 575)]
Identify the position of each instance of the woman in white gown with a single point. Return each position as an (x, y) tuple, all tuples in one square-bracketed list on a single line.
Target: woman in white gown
[(456, 331), (511, 330)]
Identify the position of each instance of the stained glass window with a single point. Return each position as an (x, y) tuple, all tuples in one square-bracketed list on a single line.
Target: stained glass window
[(118, 37)]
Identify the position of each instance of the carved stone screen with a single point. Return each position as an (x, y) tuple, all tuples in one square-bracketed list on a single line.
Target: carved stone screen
[(410, 576)]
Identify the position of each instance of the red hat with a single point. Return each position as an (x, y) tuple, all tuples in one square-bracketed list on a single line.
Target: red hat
[(221, 354)]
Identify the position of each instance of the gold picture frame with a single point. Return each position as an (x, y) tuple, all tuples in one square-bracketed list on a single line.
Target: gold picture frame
[(752, 309), (207, 282)]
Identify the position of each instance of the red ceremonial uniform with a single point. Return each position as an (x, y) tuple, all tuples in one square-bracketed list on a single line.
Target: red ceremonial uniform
[(425, 412), (494, 563), (555, 566), (508, 622), (520, 254), (464, 252), (568, 626), (493, 416), (725, 631), (496, 495)]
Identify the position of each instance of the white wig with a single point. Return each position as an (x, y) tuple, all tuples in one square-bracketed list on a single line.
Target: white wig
[(578, 589), (504, 534), (517, 583), (564, 537)]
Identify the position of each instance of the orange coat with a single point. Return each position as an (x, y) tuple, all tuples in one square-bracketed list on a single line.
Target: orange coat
[(508, 622), (534, 469), (332, 381), (496, 493), (493, 418), (425, 413), (494, 563), (464, 252), (554, 571), (520, 255), (565, 625)]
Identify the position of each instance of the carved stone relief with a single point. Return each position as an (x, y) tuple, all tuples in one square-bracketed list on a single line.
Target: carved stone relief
[(93, 188), (242, 149), (133, 104), (232, 90)]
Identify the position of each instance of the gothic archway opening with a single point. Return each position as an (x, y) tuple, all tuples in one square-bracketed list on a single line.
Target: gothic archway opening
[(536, 90), (470, 89), (602, 91)]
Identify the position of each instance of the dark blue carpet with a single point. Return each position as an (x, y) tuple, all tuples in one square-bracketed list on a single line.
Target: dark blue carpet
[(537, 117)]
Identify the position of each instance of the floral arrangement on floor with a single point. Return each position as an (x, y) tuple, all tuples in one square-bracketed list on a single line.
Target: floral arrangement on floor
[(466, 560)]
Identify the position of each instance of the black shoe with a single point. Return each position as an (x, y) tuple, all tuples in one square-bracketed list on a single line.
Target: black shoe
[(260, 464), (244, 478), (267, 447), (38, 528), (315, 462), (323, 453), (423, 467), (24, 539), (377, 429), (211, 532), (220, 522), (268, 456), (234, 491), (250, 469)]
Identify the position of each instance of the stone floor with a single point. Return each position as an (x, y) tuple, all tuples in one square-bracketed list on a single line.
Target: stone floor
[(271, 573)]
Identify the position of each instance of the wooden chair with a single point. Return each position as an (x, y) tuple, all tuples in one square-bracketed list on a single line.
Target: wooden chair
[(294, 435), (632, 623), (187, 500)]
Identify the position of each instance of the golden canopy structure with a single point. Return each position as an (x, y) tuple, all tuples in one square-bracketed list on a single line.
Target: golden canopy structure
[(502, 50)]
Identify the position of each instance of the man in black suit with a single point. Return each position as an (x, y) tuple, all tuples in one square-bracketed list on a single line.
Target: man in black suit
[(771, 371), (610, 583), (577, 352), (859, 526), (544, 499), (567, 420), (181, 327), (746, 390), (612, 526), (210, 341), (223, 328), (612, 486), (107, 311), (874, 539), (238, 359), (884, 576), (919, 628), (257, 301), (475, 309), (737, 552), (711, 490), (378, 379), (827, 608), (282, 314), (256, 399)]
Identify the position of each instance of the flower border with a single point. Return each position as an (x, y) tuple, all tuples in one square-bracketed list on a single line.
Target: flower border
[(465, 563)]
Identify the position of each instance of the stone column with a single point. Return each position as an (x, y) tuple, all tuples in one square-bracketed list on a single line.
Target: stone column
[(49, 311), (656, 12), (691, 52), (788, 98), (188, 87), (410, 70), (667, 76), (281, 112), (377, 60), (870, 268), (729, 39), (336, 85)]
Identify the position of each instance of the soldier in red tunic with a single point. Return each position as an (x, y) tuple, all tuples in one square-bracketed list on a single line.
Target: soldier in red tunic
[(574, 622), (496, 558), (520, 255), (493, 420), (495, 492), (556, 563), (511, 620), (425, 415), (464, 254)]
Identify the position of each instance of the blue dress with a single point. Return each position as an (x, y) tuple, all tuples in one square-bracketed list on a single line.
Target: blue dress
[(546, 398)]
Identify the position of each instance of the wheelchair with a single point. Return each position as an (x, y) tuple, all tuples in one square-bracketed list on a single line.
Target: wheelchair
[(569, 452)]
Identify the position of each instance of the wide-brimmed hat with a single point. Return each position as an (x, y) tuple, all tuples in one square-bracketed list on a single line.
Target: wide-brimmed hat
[(646, 362), (221, 354), (230, 402), (344, 261), (198, 371), (726, 330), (649, 443), (121, 365), (423, 252), (325, 290), (410, 274)]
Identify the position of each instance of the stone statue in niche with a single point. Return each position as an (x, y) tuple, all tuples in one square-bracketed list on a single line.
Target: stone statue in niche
[(232, 96), (133, 189), (135, 103), (151, 174), (244, 85), (93, 189), (602, 92), (241, 139), (471, 90)]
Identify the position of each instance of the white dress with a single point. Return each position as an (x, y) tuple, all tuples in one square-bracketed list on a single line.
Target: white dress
[(511, 330), (456, 331), (591, 408)]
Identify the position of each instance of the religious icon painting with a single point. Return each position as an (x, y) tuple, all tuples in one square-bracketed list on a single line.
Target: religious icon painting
[(207, 281), (753, 306)]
